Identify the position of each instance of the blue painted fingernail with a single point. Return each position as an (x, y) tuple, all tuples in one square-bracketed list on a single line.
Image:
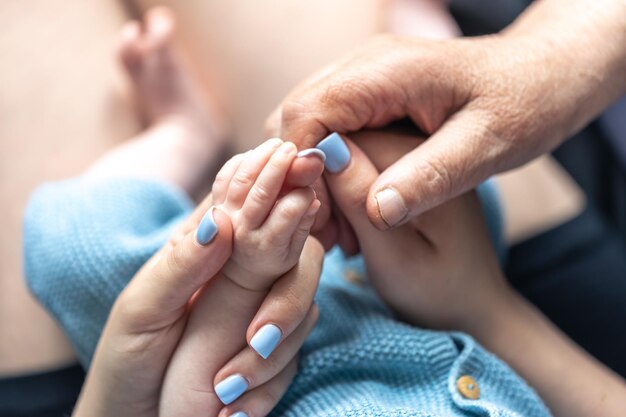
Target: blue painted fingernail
[(207, 228), (336, 151), (231, 388), (239, 414), (265, 340), (312, 152)]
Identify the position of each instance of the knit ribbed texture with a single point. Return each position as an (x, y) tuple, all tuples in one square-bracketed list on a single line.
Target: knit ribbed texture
[(84, 240)]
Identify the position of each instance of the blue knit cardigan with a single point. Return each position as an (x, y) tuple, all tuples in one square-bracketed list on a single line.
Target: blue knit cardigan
[(85, 239)]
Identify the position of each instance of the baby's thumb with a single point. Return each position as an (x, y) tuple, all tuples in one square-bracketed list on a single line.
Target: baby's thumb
[(452, 161)]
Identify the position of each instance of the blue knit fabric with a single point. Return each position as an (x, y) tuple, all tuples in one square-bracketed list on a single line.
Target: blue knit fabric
[(85, 239)]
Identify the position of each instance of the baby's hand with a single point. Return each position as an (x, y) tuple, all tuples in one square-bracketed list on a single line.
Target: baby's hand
[(269, 231)]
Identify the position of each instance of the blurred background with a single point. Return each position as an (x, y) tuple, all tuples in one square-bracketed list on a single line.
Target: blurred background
[(64, 100)]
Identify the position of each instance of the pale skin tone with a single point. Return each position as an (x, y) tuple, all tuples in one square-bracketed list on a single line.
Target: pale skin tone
[(30, 356), (424, 277), (266, 194), (139, 338), (269, 233), (75, 117), (488, 103), (280, 380)]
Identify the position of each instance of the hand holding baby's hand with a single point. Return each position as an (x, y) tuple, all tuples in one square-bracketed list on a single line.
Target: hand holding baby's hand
[(440, 269)]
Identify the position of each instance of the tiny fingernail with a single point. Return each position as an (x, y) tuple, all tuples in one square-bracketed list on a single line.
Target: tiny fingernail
[(239, 414), (265, 340), (336, 151), (231, 388), (312, 152), (286, 148), (313, 209), (207, 229), (391, 206)]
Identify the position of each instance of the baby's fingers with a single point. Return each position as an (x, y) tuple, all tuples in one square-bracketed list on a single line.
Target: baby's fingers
[(225, 176), (287, 215), (248, 171), (260, 401), (263, 194)]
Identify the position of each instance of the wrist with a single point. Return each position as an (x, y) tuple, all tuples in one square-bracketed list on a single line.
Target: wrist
[(581, 43), (490, 313)]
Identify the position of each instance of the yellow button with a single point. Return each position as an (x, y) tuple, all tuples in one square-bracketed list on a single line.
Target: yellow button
[(353, 277), (468, 387)]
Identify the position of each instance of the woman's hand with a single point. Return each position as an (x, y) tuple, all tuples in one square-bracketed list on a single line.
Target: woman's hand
[(488, 104), (148, 319)]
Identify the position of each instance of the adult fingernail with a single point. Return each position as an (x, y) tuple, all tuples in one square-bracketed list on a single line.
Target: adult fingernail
[(391, 206), (336, 151), (207, 229), (266, 339), (231, 388), (239, 414), (312, 152)]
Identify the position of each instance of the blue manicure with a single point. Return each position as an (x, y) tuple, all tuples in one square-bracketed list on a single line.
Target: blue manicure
[(265, 340), (239, 414), (231, 388), (336, 151), (207, 228)]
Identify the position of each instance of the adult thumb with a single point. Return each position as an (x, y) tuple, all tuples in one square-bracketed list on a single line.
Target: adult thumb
[(164, 286), (452, 161)]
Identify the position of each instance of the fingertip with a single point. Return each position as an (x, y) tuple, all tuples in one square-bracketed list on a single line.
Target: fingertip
[(336, 152), (214, 223), (373, 212), (266, 339), (305, 170), (313, 207), (223, 222)]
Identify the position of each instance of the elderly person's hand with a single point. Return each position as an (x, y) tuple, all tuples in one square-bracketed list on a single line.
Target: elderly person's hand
[(488, 104), (148, 319)]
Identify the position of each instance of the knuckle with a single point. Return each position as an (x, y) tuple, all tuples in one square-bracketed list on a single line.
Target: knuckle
[(133, 312), (177, 261), (269, 396), (260, 194), (295, 304), (435, 177), (243, 179), (220, 178), (293, 109), (290, 209)]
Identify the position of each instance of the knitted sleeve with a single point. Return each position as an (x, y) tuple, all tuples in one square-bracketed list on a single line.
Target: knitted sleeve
[(84, 239)]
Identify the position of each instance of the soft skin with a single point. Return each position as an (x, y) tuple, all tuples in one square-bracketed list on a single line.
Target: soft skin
[(149, 317), (440, 271), (488, 103)]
